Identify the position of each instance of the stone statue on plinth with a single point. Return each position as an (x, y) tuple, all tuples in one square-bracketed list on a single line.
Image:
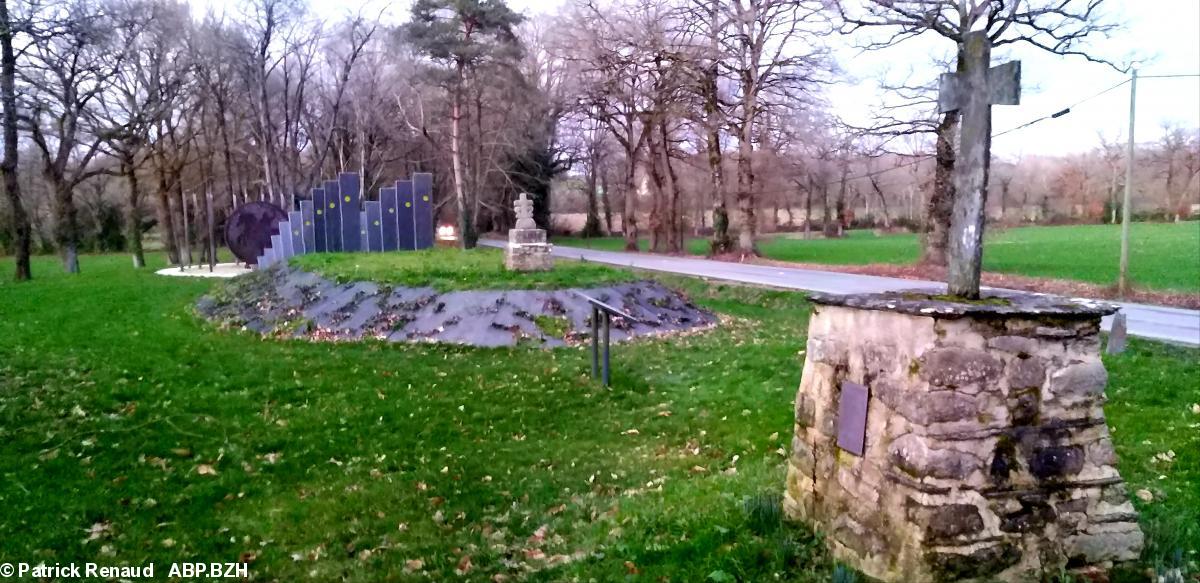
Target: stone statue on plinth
[(527, 248)]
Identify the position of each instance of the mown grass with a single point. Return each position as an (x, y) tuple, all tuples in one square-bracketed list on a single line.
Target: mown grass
[(453, 269), (1163, 256), (134, 433)]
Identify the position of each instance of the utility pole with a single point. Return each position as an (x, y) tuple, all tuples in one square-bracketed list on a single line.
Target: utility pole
[(1123, 277)]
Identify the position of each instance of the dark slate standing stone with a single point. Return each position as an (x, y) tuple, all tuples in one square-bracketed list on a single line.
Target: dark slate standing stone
[(320, 231), (1116, 336), (333, 215), (373, 223), (285, 239), (423, 210), (306, 230), (362, 230), (351, 194), (296, 218), (404, 210), (389, 216)]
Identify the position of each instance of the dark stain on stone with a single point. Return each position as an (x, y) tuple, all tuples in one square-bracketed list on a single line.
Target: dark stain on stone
[(1056, 461), (1035, 512), (981, 563), (1004, 460)]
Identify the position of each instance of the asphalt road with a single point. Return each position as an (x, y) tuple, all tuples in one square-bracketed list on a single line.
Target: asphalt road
[(1155, 322)]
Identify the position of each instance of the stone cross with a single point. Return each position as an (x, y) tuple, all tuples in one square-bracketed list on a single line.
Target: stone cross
[(524, 209), (972, 91)]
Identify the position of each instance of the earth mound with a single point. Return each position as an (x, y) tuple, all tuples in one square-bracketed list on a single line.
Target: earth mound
[(286, 301)]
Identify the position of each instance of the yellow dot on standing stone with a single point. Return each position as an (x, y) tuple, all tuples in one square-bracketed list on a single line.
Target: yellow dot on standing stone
[(407, 204), (392, 210), (425, 198), (307, 223), (376, 223), (332, 204), (347, 199), (319, 212), (295, 232)]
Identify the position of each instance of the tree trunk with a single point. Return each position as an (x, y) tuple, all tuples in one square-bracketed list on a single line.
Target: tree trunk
[(629, 216), (721, 243), (466, 230), (135, 215), (840, 205), (812, 185), (591, 227), (941, 201), (745, 195), (674, 217), (604, 197), (658, 230), (66, 223), (19, 225)]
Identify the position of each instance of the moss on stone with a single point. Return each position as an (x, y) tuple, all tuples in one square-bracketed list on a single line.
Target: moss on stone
[(556, 326)]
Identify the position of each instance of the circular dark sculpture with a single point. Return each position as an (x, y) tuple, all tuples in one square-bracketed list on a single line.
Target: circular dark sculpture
[(248, 230)]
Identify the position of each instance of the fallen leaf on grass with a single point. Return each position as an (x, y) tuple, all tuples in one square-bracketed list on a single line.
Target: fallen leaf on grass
[(413, 565), (206, 470), (182, 452), (1145, 495), (630, 432), (534, 554), (1196, 408), (464, 565), (631, 568)]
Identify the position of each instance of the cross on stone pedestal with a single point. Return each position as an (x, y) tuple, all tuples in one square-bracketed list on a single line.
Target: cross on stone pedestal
[(972, 91)]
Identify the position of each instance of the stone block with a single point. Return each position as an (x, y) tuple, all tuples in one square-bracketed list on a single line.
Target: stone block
[(943, 524), (1014, 344), (1123, 543), (1024, 406), (1078, 382), (912, 455), (532, 257), (952, 366), (526, 236), (827, 351), (1027, 372), (806, 410)]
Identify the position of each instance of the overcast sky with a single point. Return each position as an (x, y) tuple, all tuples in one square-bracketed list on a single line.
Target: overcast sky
[(1166, 33)]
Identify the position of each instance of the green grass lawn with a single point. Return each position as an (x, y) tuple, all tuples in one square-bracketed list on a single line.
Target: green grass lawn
[(134, 432), (453, 269), (1163, 256)]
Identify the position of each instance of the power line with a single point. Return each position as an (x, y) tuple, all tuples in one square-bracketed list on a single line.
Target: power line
[(1060, 112)]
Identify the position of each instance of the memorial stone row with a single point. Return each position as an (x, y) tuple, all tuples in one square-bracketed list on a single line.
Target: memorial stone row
[(337, 219)]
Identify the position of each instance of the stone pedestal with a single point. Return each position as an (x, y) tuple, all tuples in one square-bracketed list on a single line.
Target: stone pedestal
[(986, 451), (528, 250)]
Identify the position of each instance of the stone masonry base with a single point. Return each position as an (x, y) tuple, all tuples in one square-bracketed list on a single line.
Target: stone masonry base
[(987, 455)]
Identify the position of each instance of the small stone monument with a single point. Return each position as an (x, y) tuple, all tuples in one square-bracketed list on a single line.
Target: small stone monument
[(527, 247), (943, 440)]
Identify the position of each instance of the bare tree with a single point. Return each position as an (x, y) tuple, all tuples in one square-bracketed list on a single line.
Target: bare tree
[(19, 219), (1057, 26), (67, 73), (775, 59)]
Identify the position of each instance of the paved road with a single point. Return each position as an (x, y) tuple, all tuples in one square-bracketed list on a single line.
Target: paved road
[(1159, 323)]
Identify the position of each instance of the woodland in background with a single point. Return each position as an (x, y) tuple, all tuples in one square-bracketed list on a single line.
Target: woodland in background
[(654, 118)]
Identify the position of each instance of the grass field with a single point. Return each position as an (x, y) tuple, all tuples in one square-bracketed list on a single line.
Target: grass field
[(451, 269), (134, 432), (1163, 256)]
